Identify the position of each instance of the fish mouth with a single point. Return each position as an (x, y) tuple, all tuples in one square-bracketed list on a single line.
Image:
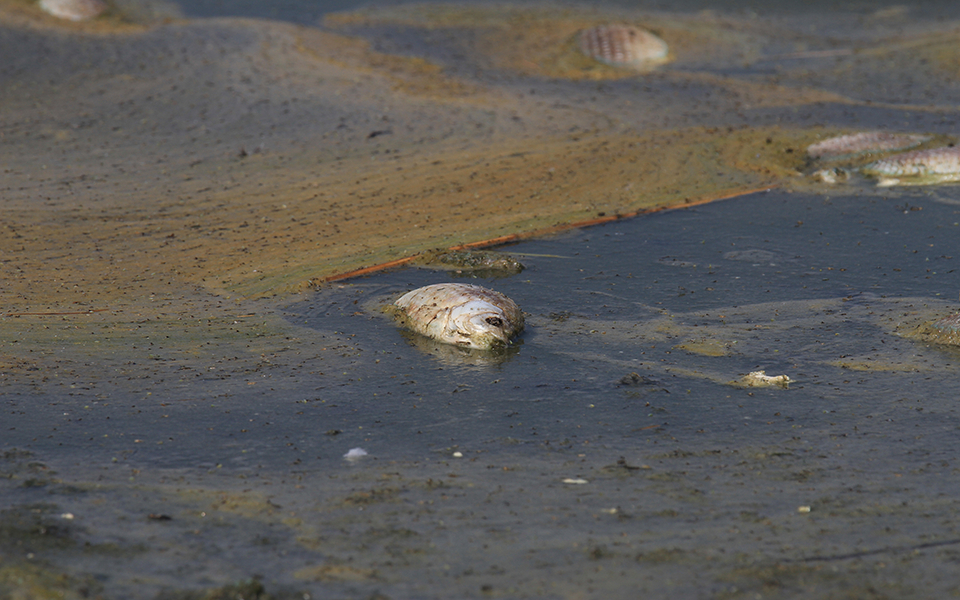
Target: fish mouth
[(486, 340), (487, 331)]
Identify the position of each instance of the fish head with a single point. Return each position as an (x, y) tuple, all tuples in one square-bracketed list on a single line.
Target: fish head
[(480, 325)]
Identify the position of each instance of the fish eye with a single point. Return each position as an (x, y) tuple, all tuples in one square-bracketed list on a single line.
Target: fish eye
[(495, 321)]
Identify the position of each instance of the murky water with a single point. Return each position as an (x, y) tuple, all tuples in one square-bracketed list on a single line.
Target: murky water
[(185, 440), (690, 484)]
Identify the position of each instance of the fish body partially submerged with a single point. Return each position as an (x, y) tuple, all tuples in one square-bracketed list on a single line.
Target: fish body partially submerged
[(920, 167), (623, 46), (461, 314), (73, 10), (863, 143)]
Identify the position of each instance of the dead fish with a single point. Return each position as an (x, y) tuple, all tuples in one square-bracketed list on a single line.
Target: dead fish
[(942, 331), (866, 142), (73, 10), (761, 379), (623, 46), (920, 167), (461, 314)]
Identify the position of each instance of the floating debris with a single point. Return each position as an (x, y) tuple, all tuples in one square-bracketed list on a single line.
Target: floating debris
[(636, 379), (355, 454), (833, 175), (572, 481), (867, 142), (803, 509), (761, 379), (920, 167), (480, 263), (942, 331), (73, 10), (623, 46), (461, 314)]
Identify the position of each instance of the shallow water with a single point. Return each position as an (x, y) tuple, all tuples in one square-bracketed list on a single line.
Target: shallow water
[(187, 439), (692, 485)]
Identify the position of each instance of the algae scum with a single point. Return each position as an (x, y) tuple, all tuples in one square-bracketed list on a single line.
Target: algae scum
[(180, 386)]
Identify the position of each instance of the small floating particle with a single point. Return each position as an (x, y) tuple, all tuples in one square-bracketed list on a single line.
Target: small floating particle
[(461, 314), (67, 516), (920, 167), (458, 454), (623, 46), (803, 509), (761, 379), (73, 10), (575, 481), (355, 454), (863, 143)]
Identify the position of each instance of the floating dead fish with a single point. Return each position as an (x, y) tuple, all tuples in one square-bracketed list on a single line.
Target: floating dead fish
[(942, 331), (461, 314), (623, 46), (73, 10), (920, 167), (761, 379), (355, 454), (867, 142)]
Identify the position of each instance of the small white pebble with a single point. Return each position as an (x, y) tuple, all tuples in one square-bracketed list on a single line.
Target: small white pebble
[(575, 481), (355, 454), (458, 454), (609, 511), (67, 516), (803, 509)]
